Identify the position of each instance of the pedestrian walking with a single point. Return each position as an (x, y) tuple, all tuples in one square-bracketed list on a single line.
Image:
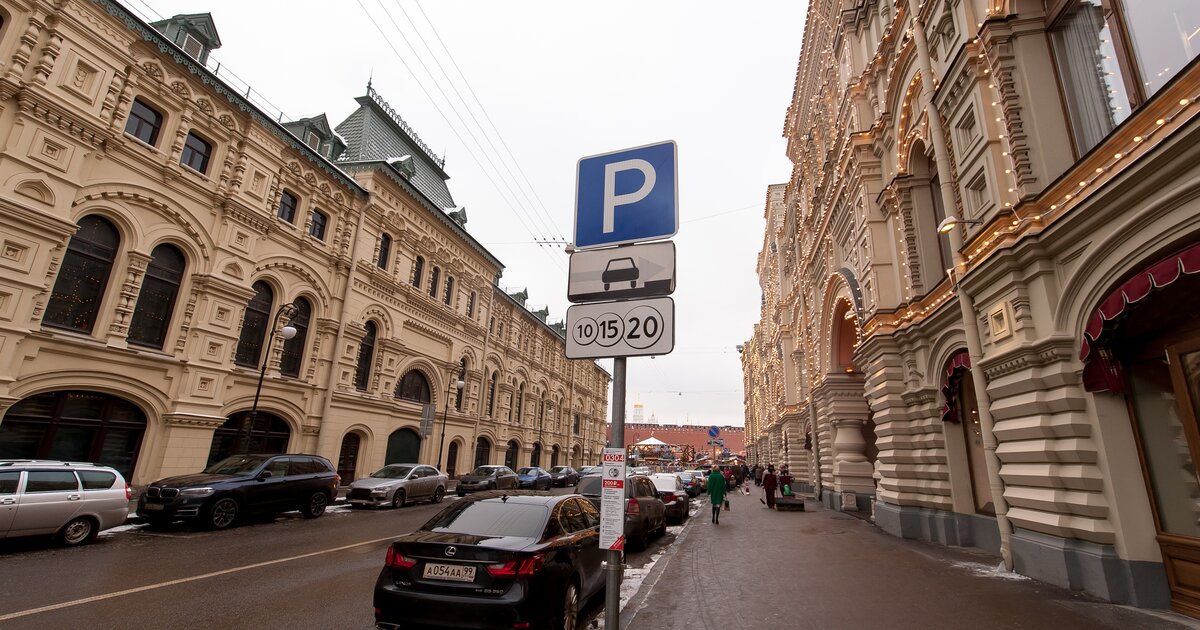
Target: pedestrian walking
[(728, 475), (758, 473), (745, 472), (716, 493), (785, 481), (769, 482)]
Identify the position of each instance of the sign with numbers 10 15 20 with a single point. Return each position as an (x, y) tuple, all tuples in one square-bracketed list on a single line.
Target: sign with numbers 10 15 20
[(621, 329)]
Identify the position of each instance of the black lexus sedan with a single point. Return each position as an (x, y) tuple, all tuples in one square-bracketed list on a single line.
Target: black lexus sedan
[(495, 560)]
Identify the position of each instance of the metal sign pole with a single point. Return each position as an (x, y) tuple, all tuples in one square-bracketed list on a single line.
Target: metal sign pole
[(612, 596)]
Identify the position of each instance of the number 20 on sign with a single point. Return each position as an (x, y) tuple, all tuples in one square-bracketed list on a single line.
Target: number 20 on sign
[(621, 329)]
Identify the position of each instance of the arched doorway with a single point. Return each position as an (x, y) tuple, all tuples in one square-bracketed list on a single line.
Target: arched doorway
[(1143, 341), (535, 457), (483, 452), (452, 459), (962, 408), (74, 426), (553, 456), (404, 447), (511, 455), (348, 457), (269, 434), (576, 456)]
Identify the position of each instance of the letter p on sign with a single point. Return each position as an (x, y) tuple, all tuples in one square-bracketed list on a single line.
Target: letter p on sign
[(627, 196)]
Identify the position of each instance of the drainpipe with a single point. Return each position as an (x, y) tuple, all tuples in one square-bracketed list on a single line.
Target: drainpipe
[(965, 302), (330, 385)]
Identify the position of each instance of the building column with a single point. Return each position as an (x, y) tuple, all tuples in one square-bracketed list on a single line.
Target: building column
[(851, 470)]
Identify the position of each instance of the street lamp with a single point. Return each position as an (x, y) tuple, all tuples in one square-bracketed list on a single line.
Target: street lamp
[(287, 332), (445, 416)]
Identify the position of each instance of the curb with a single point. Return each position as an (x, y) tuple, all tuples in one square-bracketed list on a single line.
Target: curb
[(638, 601)]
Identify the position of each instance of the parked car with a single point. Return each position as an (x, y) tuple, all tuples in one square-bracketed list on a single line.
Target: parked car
[(589, 470), (702, 477), (640, 470), (397, 484), (487, 478), (564, 476), (515, 561), (239, 485), (674, 496), (74, 501), (534, 478), (690, 483), (645, 513)]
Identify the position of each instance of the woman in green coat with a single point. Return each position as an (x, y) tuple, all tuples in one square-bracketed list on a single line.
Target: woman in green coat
[(716, 493)]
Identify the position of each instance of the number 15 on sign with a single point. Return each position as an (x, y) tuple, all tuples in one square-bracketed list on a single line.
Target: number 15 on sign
[(621, 329)]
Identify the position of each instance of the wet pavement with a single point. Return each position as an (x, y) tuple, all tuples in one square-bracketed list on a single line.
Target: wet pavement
[(822, 569)]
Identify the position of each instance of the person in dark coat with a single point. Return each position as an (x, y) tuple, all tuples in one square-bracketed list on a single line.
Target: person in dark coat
[(716, 493), (745, 473), (758, 473), (769, 483), (785, 481)]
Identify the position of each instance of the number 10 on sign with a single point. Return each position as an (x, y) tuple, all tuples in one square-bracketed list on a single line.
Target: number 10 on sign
[(621, 329)]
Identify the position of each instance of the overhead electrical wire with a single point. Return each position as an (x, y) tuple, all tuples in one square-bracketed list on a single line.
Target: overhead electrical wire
[(558, 263)]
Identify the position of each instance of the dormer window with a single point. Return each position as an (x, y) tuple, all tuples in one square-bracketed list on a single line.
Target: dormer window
[(192, 46), (313, 140)]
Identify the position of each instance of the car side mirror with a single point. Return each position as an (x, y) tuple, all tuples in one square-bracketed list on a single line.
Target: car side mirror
[(263, 475)]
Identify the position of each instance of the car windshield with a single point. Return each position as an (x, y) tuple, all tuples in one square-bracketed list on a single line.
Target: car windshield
[(664, 483), (686, 476), (492, 517), (484, 471), (527, 471), (589, 485), (236, 465), (392, 472), (559, 469)]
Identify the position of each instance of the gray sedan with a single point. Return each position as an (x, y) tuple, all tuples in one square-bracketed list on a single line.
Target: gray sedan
[(397, 484)]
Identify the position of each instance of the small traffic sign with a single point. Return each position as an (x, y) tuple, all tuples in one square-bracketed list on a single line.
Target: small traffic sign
[(714, 431), (625, 272), (621, 329), (627, 196)]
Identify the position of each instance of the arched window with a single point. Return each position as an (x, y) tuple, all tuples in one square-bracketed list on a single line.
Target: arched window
[(385, 250), (462, 376), (83, 276), (287, 207), (433, 282), (254, 325), (491, 400), (471, 306), (293, 349), (366, 355), (156, 300), (418, 269), (268, 434), (483, 451), (414, 386), (452, 459), (448, 298), (511, 454), (520, 401)]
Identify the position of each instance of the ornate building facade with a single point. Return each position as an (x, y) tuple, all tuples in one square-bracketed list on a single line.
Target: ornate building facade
[(980, 283), (185, 277)]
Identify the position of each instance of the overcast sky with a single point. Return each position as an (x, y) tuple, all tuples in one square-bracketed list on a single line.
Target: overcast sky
[(547, 83)]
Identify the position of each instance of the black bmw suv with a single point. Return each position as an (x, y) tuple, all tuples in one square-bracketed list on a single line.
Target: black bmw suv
[(241, 484)]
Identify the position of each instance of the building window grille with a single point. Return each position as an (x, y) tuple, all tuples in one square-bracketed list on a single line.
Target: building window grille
[(83, 276), (196, 153), (144, 122), (156, 300), (254, 326)]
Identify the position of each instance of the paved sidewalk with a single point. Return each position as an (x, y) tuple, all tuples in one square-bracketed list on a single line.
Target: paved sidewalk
[(761, 569)]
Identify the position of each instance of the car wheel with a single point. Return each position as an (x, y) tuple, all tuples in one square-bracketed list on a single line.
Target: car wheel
[(438, 494), (399, 499), (461, 493), (222, 513), (316, 505), (77, 532), (662, 529), (492, 486), (570, 614)]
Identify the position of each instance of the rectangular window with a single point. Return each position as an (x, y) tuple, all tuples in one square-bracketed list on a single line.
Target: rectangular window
[(471, 306), (192, 46), (196, 153), (316, 228), (287, 207), (449, 296), (1088, 73), (144, 123), (1165, 36)]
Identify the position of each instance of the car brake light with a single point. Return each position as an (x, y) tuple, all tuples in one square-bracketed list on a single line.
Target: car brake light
[(632, 507), (337, 480), (527, 565), (128, 493), (397, 560)]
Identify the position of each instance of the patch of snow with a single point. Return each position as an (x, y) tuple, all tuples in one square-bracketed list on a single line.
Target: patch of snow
[(983, 570), (121, 528), (338, 508)]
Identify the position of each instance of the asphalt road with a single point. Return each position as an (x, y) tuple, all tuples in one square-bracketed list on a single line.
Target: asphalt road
[(289, 573)]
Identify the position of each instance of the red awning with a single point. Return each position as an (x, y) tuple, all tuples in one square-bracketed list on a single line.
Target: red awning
[(959, 362), (1101, 370)]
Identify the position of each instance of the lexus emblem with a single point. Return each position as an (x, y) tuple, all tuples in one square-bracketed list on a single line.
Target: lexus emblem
[(450, 551)]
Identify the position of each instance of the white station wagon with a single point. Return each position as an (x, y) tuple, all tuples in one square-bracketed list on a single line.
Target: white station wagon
[(72, 500)]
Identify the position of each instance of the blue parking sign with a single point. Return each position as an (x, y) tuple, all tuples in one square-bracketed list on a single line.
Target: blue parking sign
[(627, 196)]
